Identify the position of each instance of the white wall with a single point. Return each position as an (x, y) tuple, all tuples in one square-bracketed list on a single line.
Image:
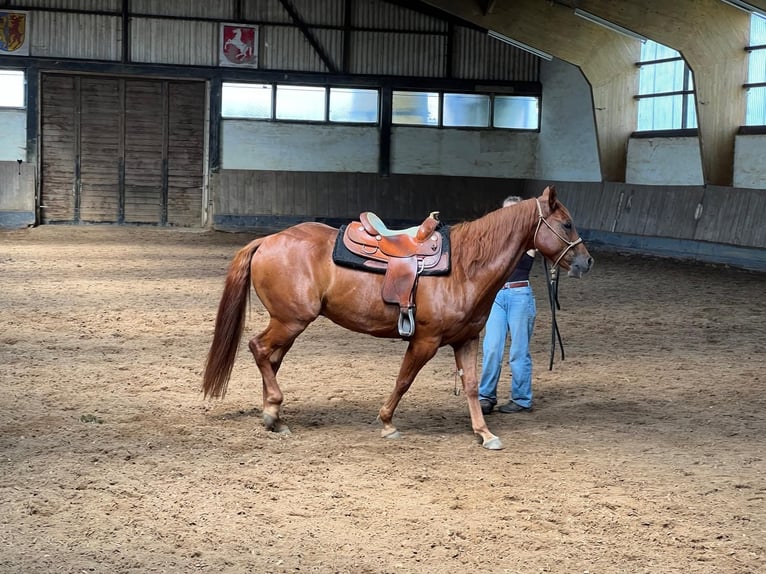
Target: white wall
[(567, 148), (750, 161), (414, 150), (298, 147), (664, 161), (471, 153), (13, 135)]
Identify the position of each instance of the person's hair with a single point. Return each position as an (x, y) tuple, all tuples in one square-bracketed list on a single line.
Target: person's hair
[(510, 200)]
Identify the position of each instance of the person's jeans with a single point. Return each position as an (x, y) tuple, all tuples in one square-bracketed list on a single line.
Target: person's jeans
[(514, 310)]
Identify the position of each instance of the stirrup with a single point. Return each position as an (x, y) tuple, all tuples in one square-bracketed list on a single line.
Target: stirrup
[(406, 322)]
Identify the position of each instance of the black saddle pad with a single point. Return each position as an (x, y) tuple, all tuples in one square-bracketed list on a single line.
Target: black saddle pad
[(343, 257)]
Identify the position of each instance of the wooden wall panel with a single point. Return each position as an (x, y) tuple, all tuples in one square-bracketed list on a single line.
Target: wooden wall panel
[(243, 196), (58, 144), (185, 153), (122, 150), (144, 137), (100, 149)]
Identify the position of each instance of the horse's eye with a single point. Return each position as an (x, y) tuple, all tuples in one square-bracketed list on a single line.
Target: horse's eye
[(568, 225)]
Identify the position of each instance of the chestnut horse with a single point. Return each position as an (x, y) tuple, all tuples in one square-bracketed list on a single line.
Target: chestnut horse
[(295, 278)]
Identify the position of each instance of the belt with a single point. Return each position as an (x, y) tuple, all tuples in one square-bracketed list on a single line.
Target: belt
[(515, 284)]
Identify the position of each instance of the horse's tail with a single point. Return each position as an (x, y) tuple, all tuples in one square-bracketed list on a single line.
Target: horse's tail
[(229, 323)]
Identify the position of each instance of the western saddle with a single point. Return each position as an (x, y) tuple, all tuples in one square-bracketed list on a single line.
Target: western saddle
[(403, 254)]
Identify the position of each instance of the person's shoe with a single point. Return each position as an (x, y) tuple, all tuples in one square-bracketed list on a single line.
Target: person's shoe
[(486, 406), (512, 407)]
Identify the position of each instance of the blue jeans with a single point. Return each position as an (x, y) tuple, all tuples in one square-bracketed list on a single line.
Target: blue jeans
[(514, 310)]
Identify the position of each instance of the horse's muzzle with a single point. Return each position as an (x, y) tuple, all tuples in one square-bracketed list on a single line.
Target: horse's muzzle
[(579, 265)]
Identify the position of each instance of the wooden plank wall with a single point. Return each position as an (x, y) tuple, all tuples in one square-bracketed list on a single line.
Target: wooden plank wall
[(138, 146), (144, 143), (58, 148), (100, 149), (721, 215), (244, 196), (185, 153)]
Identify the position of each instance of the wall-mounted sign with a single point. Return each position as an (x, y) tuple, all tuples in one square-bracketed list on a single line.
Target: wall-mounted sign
[(238, 46), (14, 33)]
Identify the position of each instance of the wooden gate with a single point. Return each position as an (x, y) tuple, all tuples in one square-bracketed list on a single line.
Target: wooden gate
[(121, 150)]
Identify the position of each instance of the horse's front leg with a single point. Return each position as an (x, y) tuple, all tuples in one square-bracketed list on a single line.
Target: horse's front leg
[(419, 352), (466, 357)]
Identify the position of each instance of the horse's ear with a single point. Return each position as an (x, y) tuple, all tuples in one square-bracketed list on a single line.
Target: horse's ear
[(552, 197)]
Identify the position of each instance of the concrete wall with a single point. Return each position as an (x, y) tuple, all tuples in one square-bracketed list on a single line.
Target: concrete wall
[(17, 194), (13, 138), (467, 153), (749, 161), (567, 147), (664, 161), (273, 146)]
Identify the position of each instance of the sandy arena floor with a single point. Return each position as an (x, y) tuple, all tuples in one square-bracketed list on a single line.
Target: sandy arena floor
[(644, 454)]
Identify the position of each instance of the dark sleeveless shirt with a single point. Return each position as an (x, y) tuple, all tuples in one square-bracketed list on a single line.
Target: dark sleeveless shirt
[(521, 273)]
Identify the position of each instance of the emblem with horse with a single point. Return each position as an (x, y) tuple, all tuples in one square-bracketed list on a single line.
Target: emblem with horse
[(451, 307)]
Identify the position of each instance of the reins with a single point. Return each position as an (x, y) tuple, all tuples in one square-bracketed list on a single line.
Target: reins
[(552, 280)]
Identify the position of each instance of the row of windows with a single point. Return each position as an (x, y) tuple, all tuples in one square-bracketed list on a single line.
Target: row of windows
[(354, 105), (349, 105)]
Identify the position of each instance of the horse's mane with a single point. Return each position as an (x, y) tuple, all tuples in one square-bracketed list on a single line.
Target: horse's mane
[(476, 243)]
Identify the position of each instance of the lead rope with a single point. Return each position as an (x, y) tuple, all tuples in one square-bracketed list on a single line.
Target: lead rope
[(552, 279)]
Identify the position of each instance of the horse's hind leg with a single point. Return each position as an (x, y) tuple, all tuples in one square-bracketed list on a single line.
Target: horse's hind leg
[(269, 348)]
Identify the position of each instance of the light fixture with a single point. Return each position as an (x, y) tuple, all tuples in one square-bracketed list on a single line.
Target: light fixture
[(607, 24), (520, 45), (746, 7)]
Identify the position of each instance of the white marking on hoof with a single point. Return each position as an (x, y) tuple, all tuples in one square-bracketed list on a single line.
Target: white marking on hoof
[(493, 443), (393, 435)]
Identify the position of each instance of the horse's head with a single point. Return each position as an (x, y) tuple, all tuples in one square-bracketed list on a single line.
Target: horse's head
[(556, 237)]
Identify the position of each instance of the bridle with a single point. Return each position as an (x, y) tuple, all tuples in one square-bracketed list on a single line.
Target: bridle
[(540, 221), (553, 282)]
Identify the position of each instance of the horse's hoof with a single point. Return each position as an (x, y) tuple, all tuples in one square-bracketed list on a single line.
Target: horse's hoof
[(270, 422), (393, 435), (493, 443), (282, 428)]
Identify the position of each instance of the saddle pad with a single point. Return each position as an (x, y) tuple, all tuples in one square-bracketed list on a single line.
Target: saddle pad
[(343, 257)]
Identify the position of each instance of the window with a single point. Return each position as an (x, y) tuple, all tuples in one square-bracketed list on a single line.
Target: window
[(665, 91), (246, 101), (352, 105), (517, 112), (466, 110), (469, 110), (415, 108), (12, 89), (756, 76), (299, 103)]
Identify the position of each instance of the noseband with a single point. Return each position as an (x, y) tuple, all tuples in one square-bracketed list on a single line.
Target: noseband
[(540, 221)]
